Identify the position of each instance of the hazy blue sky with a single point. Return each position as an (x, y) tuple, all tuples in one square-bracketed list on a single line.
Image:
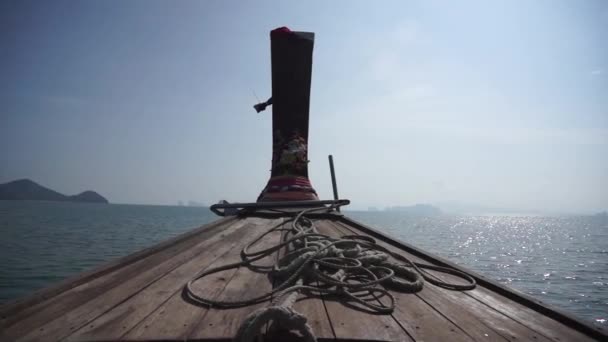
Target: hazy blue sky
[(499, 103)]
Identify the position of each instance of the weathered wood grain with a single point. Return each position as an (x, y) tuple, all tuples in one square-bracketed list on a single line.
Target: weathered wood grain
[(120, 319), (418, 317), (12, 311), (313, 308), (543, 325), (139, 298), (548, 314), (33, 312), (176, 318), (245, 284), (349, 322), (479, 320), (470, 324), (65, 323), (502, 325)]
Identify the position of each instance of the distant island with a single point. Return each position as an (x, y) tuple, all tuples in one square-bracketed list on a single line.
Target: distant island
[(25, 189)]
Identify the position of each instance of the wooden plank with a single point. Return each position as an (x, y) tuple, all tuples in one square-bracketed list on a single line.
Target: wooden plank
[(505, 327), (174, 319), (524, 315), (278, 254), (550, 314), (466, 321), (479, 314), (96, 283), (419, 318), (537, 323), (245, 284), (478, 320), (312, 308), (453, 306), (119, 320), (348, 322), (9, 311), (65, 323)]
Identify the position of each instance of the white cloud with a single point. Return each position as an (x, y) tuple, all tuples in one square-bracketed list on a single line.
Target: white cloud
[(597, 72)]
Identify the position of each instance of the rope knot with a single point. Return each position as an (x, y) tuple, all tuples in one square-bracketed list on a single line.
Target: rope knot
[(353, 267), (284, 318)]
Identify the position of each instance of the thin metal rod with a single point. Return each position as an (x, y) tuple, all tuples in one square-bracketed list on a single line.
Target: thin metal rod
[(334, 185)]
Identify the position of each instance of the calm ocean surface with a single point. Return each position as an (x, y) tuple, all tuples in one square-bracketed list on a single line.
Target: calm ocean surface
[(560, 260)]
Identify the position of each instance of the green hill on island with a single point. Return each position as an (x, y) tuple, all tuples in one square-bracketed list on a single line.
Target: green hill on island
[(25, 189)]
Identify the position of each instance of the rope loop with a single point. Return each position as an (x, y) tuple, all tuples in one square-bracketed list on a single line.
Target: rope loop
[(284, 317), (353, 267)]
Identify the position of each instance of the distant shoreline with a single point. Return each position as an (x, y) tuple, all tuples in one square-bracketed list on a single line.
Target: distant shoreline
[(26, 189)]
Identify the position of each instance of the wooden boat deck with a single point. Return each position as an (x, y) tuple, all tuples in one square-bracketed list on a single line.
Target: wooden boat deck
[(140, 298)]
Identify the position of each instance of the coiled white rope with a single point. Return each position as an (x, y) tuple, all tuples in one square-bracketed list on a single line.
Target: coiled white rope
[(353, 267)]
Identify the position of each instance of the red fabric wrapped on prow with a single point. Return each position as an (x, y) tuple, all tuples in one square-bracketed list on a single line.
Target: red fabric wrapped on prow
[(281, 31)]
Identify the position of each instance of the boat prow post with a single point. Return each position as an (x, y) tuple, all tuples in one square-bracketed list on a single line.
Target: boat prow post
[(291, 54)]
